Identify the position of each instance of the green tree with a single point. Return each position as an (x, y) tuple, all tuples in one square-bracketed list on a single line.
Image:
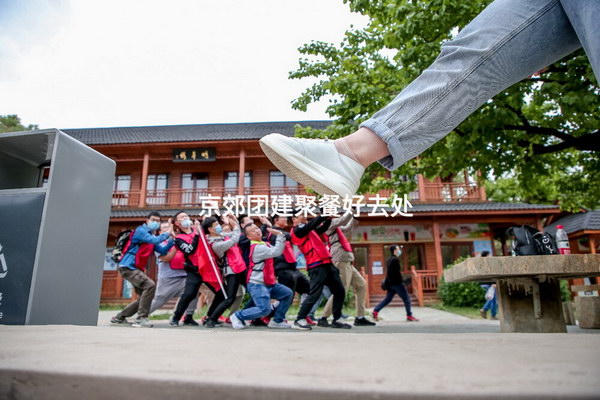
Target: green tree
[(12, 123), (539, 139)]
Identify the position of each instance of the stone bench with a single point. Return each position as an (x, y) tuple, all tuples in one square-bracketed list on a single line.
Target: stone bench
[(528, 287)]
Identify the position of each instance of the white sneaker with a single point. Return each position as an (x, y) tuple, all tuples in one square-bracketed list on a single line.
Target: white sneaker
[(142, 323), (302, 325), (236, 323), (278, 325), (315, 163)]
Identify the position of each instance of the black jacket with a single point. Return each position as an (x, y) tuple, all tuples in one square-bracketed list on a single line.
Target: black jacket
[(393, 271)]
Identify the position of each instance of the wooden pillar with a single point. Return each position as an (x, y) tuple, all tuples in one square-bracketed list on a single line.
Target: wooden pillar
[(421, 183), (242, 172), (592, 244), (438, 248), (144, 183)]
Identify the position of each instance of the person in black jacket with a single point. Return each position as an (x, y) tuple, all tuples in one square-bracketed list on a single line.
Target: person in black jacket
[(394, 285)]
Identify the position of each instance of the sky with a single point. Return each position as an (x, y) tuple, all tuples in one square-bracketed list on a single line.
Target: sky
[(97, 63)]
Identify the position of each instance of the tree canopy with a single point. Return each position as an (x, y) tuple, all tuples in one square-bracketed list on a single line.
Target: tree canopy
[(12, 123), (538, 141)]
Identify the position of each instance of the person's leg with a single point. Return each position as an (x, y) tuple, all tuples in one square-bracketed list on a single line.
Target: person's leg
[(285, 296), (166, 288), (325, 294), (231, 288), (359, 285), (346, 277), (239, 297), (302, 284), (388, 298), (584, 16), (337, 288), (317, 275), (401, 290), (262, 303), (132, 307), (494, 307), (286, 278), (193, 282), (509, 41)]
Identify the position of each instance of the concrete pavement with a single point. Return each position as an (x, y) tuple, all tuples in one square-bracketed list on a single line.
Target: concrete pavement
[(443, 356)]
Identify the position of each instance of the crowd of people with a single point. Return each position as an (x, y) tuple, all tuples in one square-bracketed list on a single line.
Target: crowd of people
[(231, 257)]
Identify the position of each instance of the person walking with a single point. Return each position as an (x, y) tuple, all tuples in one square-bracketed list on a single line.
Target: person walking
[(394, 285)]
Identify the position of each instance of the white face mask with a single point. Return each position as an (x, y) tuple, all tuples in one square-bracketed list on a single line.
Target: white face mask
[(186, 223)]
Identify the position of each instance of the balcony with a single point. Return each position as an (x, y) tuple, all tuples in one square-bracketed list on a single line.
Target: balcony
[(442, 192)]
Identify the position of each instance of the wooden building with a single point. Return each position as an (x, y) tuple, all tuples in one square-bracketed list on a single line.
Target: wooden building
[(167, 168)]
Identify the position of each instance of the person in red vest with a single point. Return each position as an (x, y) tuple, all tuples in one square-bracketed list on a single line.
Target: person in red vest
[(343, 257), (261, 283), (230, 261), (321, 271), (132, 267), (285, 264), (193, 257)]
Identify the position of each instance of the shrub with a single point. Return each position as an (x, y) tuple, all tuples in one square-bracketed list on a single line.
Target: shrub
[(467, 294)]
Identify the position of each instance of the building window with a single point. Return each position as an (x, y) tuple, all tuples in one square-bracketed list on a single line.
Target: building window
[(411, 255), (121, 187), (452, 252), (193, 186), (156, 187), (230, 182), (280, 184)]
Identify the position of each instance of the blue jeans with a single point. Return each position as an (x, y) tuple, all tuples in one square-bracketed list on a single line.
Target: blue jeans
[(509, 41), (260, 306), (400, 290), (491, 305)]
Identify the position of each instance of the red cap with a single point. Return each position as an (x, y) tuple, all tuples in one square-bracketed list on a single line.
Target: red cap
[(559, 226)]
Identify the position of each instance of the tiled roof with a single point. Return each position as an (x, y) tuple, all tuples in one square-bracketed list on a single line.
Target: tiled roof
[(586, 221), (417, 208), (187, 133)]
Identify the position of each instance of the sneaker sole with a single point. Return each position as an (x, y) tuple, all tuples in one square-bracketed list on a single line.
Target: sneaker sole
[(269, 146), (300, 328)]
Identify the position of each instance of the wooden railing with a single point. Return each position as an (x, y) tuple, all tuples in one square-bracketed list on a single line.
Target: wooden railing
[(192, 197), (451, 192), (424, 281)]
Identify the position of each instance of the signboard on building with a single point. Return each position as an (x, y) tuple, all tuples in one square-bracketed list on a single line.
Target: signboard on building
[(391, 234), (197, 154), (465, 231)]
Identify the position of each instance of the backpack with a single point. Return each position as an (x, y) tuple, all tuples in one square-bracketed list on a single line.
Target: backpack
[(528, 241), (122, 240)]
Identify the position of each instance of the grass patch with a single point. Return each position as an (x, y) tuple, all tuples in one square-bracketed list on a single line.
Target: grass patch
[(469, 312)]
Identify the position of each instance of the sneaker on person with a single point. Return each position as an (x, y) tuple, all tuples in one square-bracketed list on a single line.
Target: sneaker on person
[(189, 321), (340, 325), (301, 324), (119, 321), (278, 325), (376, 315), (483, 313), (323, 323), (173, 322), (310, 321), (494, 317), (315, 163), (142, 323), (362, 321), (236, 323), (411, 318)]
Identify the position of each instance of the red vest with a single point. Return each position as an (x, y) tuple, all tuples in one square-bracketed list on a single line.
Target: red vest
[(313, 248), (288, 251), (268, 269), (234, 258), (200, 259), (143, 254), (341, 239)]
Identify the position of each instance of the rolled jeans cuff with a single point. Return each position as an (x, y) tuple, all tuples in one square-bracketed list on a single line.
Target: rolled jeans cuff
[(397, 156)]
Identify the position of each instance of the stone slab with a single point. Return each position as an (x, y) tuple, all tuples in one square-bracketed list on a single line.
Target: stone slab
[(73, 362), (493, 268), (588, 311)]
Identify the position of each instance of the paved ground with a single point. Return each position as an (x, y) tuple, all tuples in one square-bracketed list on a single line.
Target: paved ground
[(443, 356)]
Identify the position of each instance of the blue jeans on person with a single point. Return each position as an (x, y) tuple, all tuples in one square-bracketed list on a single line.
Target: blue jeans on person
[(509, 41), (400, 290), (324, 296), (491, 305), (261, 302)]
